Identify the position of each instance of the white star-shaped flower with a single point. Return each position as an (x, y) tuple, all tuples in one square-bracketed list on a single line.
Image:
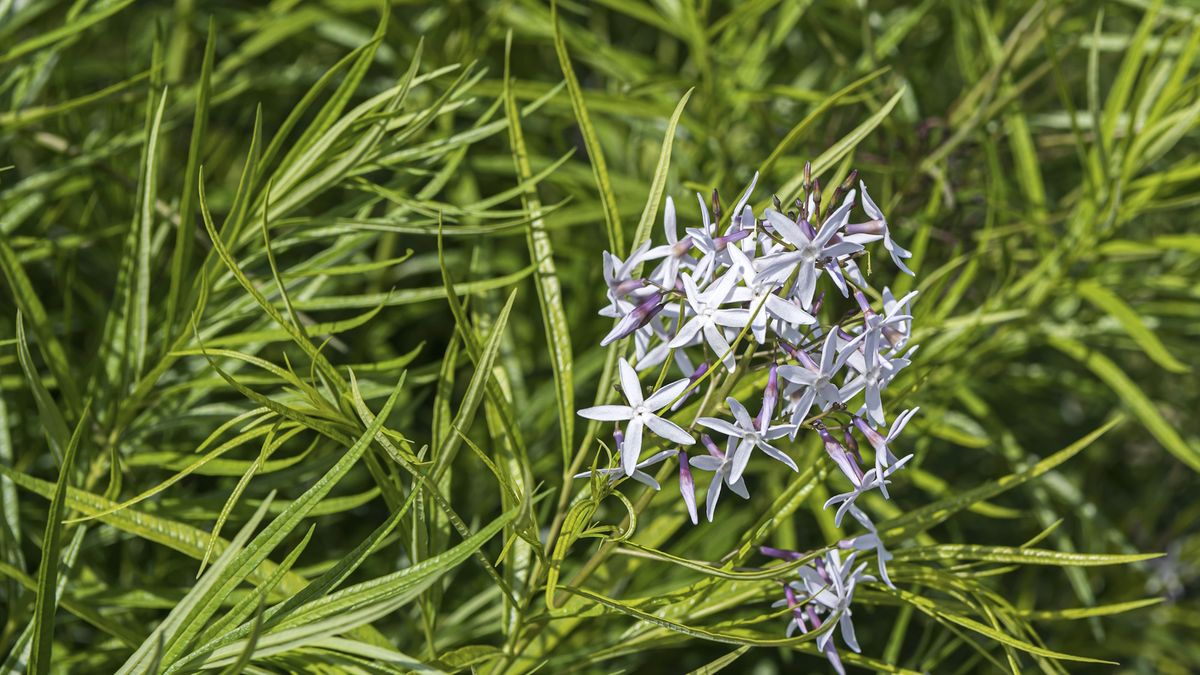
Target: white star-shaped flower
[(640, 413)]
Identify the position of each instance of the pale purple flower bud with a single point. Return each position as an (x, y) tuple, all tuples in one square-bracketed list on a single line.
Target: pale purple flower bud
[(631, 322), (806, 360), (779, 553), (869, 227), (730, 238), (770, 398), (851, 443), (816, 305), (629, 286), (712, 447), (873, 437), (863, 304), (790, 349), (687, 487), (840, 457)]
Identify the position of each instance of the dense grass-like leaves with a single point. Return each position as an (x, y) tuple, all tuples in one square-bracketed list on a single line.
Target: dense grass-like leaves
[(328, 275)]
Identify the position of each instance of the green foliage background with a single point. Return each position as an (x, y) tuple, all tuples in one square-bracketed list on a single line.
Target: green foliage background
[(393, 456)]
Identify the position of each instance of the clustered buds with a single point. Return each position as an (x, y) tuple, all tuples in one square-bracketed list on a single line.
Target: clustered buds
[(710, 295)]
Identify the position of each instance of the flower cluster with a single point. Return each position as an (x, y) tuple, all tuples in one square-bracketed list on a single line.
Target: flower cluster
[(740, 297)]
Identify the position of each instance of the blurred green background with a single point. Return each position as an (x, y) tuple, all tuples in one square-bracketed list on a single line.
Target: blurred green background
[(1040, 158)]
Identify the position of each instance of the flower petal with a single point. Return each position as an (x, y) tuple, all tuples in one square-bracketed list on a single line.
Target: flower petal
[(720, 425), (631, 449), (664, 396), (741, 457), (607, 413), (786, 227), (630, 384), (668, 430)]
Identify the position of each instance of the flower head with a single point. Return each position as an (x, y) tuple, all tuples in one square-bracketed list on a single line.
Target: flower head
[(640, 413)]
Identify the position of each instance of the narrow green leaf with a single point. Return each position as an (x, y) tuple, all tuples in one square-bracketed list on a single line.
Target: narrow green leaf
[(1024, 556), (359, 604), (266, 541), (30, 305), (1131, 395), (1089, 612), (138, 332), (608, 199), (842, 147), (1114, 306), (181, 257), (659, 183), (549, 290), (797, 132), (475, 391), (54, 423), (48, 569), (73, 27), (148, 656), (920, 519)]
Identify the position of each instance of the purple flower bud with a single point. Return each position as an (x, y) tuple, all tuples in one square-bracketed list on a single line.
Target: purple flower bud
[(862, 301), (816, 305), (770, 397), (869, 227), (727, 239), (840, 457), (812, 616), (789, 349), (631, 322), (629, 286), (851, 443), (794, 605), (780, 553), (687, 487), (712, 447), (822, 570)]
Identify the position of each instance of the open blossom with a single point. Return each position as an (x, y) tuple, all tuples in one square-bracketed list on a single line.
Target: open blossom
[(877, 371), (742, 293), (674, 253), (812, 249), (764, 302), (640, 413), (884, 457), (638, 474), (875, 229), (814, 381), (750, 434), (721, 464), (873, 478), (709, 316), (825, 588), (870, 542)]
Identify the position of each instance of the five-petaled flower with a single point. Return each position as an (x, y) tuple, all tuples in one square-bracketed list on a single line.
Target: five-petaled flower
[(640, 413)]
